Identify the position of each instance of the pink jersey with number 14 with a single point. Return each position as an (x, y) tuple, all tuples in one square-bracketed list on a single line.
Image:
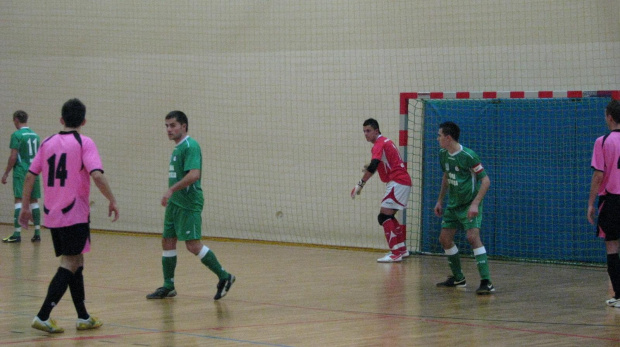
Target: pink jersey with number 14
[(66, 161)]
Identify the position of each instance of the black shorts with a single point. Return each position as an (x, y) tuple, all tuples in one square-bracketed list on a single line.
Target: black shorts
[(609, 216), (71, 240)]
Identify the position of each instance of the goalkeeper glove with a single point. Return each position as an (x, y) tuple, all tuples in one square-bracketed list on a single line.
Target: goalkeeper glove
[(358, 189)]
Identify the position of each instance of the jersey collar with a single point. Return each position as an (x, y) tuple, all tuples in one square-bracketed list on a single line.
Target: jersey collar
[(457, 152)]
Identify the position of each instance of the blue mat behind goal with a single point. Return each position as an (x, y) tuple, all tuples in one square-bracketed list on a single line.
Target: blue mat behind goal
[(537, 154)]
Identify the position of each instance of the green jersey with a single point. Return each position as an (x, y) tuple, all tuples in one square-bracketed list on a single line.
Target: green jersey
[(464, 172), (186, 156), (27, 144)]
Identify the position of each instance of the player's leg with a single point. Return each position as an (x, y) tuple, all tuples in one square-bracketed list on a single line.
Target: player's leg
[(393, 235), (609, 224), (395, 199), (613, 270), (193, 224), (56, 289), (18, 185), (17, 229), (480, 254), (36, 211), (169, 255), (76, 239), (446, 239), (473, 237)]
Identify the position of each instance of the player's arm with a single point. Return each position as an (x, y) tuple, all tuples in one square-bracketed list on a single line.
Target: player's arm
[(190, 178), (597, 178), (442, 194), (102, 183), (485, 183), (10, 164), (25, 215), (369, 170)]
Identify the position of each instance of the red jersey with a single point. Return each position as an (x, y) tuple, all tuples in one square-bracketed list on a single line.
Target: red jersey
[(391, 166)]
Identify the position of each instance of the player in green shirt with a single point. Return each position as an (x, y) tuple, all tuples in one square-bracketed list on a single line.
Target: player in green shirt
[(24, 145), (184, 201), (466, 183)]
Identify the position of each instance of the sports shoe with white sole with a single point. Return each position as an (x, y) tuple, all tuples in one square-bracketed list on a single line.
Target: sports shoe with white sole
[(613, 302), (49, 325), (404, 255), (87, 324), (390, 258), (12, 239), (451, 282), (223, 286), (162, 293), (486, 288)]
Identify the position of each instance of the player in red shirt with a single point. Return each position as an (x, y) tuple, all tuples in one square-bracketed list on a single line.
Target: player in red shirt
[(387, 161), (606, 185)]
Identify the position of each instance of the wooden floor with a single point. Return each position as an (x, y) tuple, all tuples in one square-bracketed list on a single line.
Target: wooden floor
[(296, 296)]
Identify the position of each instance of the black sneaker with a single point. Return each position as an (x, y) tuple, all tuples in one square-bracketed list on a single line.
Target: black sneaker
[(486, 288), (36, 238), (452, 283), (12, 239), (162, 293), (223, 286)]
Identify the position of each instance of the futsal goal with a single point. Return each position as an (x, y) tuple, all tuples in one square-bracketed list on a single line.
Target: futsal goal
[(536, 148)]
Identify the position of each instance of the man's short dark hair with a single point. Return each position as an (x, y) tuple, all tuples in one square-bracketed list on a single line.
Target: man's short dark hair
[(372, 123), (451, 129), (73, 113), (613, 109), (180, 117), (21, 116)]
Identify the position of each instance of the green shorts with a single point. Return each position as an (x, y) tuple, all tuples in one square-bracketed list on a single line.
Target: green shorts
[(182, 223), (456, 218), (18, 187)]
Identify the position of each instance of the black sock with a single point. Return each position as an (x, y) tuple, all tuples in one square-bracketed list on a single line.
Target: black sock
[(55, 291), (76, 286), (613, 269)]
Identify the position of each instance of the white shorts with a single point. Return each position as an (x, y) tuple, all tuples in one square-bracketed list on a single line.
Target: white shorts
[(396, 196)]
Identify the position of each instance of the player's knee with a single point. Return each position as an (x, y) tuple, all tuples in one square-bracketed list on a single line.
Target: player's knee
[(382, 217)]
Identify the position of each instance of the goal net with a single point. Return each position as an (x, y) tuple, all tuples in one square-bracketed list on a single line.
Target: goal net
[(536, 148)]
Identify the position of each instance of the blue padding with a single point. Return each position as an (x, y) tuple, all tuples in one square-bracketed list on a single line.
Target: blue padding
[(538, 160)]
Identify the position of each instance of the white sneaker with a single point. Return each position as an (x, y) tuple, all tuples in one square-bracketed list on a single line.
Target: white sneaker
[(613, 302), (390, 258), (404, 255)]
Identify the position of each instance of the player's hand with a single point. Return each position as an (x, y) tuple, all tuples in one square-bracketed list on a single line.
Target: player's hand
[(357, 189), (164, 199), (25, 216), (4, 178), (438, 209), (113, 208), (472, 212), (591, 214)]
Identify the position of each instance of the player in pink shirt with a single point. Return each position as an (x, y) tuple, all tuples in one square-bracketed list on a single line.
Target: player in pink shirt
[(606, 185), (67, 161), (387, 161)]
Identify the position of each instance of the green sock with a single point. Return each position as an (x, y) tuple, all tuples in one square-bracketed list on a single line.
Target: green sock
[(36, 216), (455, 265), (210, 261), (483, 266), (168, 266), (18, 228)]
